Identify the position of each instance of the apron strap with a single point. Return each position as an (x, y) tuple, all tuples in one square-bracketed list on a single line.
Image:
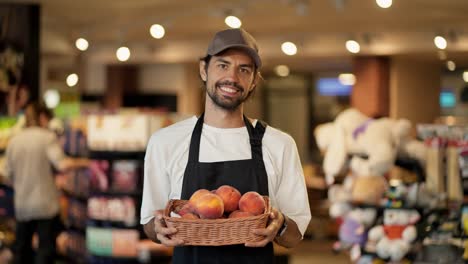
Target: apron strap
[(256, 139), (194, 150)]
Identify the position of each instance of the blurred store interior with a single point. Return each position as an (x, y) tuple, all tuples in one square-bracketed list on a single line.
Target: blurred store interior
[(398, 59)]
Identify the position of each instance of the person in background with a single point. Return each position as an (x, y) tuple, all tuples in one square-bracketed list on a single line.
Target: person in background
[(29, 156), (223, 146)]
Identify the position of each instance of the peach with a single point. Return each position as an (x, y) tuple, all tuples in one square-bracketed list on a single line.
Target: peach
[(190, 216), (239, 213), (230, 196), (185, 209), (252, 202), (198, 194), (209, 206)]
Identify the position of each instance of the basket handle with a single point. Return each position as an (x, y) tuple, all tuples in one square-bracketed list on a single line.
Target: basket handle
[(168, 209)]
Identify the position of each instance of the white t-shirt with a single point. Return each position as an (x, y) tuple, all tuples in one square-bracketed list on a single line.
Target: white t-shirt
[(29, 157), (167, 156)]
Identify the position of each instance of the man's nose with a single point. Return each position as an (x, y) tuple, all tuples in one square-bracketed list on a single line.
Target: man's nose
[(233, 74)]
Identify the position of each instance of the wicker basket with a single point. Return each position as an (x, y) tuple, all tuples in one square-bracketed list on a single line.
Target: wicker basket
[(216, 232)]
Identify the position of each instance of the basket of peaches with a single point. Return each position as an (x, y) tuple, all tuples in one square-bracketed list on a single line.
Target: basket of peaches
[(219, 217)]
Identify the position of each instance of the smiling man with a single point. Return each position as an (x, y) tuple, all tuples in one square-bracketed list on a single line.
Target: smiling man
[(221, 147)]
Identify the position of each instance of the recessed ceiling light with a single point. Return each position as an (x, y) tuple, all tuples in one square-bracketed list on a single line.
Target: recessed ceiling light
[(157, 31), (465, 76), (82, 44), (72, 79), (233, 21), (440, 42), (289, 48), (51, 98), (123, 54), (353, 46), (451, 66), (384, 3), (282, 70)]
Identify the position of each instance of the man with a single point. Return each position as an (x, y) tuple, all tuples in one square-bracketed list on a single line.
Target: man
[(29, 156), (224, 147)]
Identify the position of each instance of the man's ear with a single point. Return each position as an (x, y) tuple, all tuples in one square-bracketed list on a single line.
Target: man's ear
[(255, 82), (202, 70)]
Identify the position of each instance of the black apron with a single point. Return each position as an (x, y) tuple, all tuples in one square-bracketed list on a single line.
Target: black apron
[(245, 175)]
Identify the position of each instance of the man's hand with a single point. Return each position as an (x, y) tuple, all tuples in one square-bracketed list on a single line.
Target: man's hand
[(269, 233), (160, 233)]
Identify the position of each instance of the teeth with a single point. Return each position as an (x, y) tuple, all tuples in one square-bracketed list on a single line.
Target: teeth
[(228, 90)]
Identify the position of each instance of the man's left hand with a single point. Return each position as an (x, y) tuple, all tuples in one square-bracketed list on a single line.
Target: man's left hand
[(269, 233)]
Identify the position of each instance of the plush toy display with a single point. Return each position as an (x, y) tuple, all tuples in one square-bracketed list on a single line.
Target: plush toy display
[(355, 190), (380, 140), (354, 228), (393, 239)]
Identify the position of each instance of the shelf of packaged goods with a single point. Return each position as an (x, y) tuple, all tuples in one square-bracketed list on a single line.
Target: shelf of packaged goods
[(112, 224), (113, 259), (112, 193), (117, 155)]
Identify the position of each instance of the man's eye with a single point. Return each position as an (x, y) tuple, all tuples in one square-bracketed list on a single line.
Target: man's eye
[(246, 70), (222, 66)]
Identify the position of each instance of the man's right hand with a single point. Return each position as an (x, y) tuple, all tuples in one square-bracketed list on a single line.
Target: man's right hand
[(163, 233)]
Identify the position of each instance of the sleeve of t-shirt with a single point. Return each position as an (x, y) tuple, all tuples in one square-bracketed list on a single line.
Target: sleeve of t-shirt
[(54, 151), (291, 197), (155, 180)]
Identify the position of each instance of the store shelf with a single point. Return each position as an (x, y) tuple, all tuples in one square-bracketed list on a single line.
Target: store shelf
[(111, 224), (74, 228), (113, 259), (117, 155), (112, 193)]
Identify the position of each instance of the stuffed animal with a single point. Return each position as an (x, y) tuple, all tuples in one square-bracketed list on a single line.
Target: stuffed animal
[(356, 190), (354, 227), (393, 239), (354, 134)]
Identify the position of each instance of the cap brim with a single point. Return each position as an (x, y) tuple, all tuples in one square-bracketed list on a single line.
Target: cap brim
[(251, 52)]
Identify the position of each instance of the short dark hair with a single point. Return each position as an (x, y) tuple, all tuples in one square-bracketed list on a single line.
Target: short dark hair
[(34, 110)]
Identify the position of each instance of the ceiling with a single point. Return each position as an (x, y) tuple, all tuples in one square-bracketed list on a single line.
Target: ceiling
[(319, 28)]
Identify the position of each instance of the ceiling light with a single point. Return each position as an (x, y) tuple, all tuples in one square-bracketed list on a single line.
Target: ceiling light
[(451, 66), (440, 42), (233, 21), (353, 46), (347, 78), (289, 48), (384, 3), (465, 76), (81, 44), (282, 70), (51, 98), (157, 31), (72, 79), (123, 54)]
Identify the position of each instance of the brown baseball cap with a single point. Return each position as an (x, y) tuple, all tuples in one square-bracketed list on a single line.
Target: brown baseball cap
[(235, 38)]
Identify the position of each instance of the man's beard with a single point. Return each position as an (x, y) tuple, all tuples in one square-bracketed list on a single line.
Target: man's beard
[(227, 104)]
